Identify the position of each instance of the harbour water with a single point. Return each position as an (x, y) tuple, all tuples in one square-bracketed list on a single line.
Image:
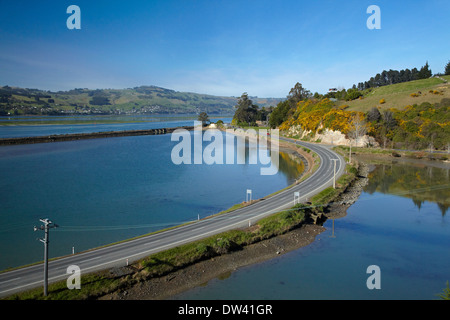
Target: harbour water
[(105, 190), (22, 126), (400, 223)]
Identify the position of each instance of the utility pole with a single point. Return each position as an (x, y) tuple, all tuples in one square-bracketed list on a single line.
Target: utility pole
[(334, 176), (46, 227), (350, 153)]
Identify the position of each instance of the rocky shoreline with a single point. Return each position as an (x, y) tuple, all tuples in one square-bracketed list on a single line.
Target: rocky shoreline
[(338, 209), (170, 285)]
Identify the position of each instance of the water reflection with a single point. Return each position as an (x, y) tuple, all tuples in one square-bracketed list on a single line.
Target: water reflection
[(418, 181), (287, 161)]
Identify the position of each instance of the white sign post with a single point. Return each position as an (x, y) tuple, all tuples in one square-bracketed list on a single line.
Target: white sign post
[(248, 196), (296, 197)]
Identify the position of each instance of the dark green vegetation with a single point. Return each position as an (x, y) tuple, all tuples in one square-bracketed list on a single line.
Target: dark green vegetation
[(445, 295), (138, 100), (394, 76), (247, 113)]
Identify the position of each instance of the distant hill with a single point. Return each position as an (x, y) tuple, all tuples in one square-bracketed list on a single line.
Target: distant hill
[(138, 100)]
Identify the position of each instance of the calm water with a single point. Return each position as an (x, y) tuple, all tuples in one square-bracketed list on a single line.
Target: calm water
[(400, 223), (60, 126), (104, 190)]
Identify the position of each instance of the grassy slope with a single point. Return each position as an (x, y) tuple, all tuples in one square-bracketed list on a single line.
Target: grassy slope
[(399, 95)]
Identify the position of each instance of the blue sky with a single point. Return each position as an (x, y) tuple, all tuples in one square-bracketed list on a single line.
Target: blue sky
[(217, 47)]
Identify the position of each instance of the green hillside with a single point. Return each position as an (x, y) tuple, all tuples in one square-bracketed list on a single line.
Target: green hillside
[(138, 100), (400, 95), (409, 115)]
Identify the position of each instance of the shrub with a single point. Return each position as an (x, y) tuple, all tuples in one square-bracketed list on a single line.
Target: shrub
[(419, 154), (445, 295), (414, 95), (353, 170), (352, 95), (382, 101), (445, 102)]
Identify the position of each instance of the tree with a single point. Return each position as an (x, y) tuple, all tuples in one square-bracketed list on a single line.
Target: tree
[(246, 111), (298, 93), (262, 114), (358, 127), (203, 117), (389, 120), (373, 115), (352, 94), (447, 68), (424, 72), (279, 114)]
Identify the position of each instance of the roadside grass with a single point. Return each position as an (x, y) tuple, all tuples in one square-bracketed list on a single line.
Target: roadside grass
[(329, 194), (419, 154)]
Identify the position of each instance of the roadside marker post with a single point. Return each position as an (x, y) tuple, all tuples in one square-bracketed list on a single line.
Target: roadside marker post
[(296, 197), (248, 196)]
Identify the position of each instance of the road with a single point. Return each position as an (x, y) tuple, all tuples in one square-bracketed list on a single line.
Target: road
[(119, 254)]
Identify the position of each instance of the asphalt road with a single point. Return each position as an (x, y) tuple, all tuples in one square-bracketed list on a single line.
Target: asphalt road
[(117, 255)]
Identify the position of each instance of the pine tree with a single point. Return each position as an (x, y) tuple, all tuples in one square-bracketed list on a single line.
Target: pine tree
[(447, 68), (424, 72)]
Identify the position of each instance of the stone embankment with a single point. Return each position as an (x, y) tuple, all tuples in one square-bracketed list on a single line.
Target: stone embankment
[(93, 135), (338, 208)]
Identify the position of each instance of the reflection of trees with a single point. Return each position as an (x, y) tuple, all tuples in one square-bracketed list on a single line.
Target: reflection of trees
[(417, 183), (291, 166)]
